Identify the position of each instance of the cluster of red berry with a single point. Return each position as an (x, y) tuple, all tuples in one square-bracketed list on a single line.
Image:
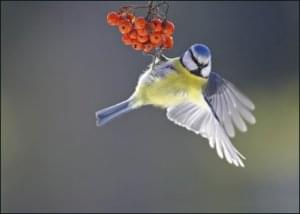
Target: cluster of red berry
[(143, 34)]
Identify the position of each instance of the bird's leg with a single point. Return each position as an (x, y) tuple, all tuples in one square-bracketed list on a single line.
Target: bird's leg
[(153, 61)]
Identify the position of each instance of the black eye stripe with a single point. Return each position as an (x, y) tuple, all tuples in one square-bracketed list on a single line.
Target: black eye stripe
[(194, 58), (200, 66)]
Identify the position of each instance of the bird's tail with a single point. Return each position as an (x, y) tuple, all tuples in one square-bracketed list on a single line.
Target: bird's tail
[(105, 115)]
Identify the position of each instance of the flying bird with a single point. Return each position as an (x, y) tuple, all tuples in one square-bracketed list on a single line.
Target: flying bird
[(194, 97)]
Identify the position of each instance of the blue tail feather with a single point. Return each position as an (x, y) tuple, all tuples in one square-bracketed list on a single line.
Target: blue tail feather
[(105, 115)]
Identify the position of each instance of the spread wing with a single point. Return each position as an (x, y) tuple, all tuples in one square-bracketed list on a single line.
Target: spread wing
[(201, 120), (230, 106)]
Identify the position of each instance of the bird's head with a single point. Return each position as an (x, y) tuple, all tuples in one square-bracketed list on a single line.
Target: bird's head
[(197, 59)]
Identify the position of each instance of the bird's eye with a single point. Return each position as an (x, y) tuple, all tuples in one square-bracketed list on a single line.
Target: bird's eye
[(203, 65)]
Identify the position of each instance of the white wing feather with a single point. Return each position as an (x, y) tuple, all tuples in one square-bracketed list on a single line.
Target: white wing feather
[(201, 120), (230, 105)]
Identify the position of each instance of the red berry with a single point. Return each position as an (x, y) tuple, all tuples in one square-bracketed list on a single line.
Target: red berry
[(112, 18), (139, 23), (142, 39), (142, 32), (155, 38), (156, 25), (125, 26), (126, 40), (148, 47), (137, 46), (168, 41), (133, 34), (168, 28)]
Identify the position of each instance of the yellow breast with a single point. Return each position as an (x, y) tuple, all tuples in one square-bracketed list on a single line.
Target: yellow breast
[(174, 88)]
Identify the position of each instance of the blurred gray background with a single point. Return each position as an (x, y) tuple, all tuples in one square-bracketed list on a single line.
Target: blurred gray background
[(61, 62)]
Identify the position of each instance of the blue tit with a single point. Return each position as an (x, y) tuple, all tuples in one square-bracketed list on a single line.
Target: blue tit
[(194, 97)]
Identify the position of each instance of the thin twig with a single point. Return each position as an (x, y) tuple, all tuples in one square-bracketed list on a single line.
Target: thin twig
[(154, 10)]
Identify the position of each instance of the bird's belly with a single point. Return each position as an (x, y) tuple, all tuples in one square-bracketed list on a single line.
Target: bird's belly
[(163, 94), (172, 90), (164, 98)]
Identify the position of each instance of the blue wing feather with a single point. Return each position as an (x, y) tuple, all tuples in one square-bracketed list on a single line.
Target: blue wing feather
[(229, 105), (214, 81)]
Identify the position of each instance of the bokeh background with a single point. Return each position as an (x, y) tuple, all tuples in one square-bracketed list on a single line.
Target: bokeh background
[(61, 62)]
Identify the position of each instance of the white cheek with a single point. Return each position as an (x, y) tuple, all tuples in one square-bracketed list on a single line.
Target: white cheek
[(206, 71), (188, 62)]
